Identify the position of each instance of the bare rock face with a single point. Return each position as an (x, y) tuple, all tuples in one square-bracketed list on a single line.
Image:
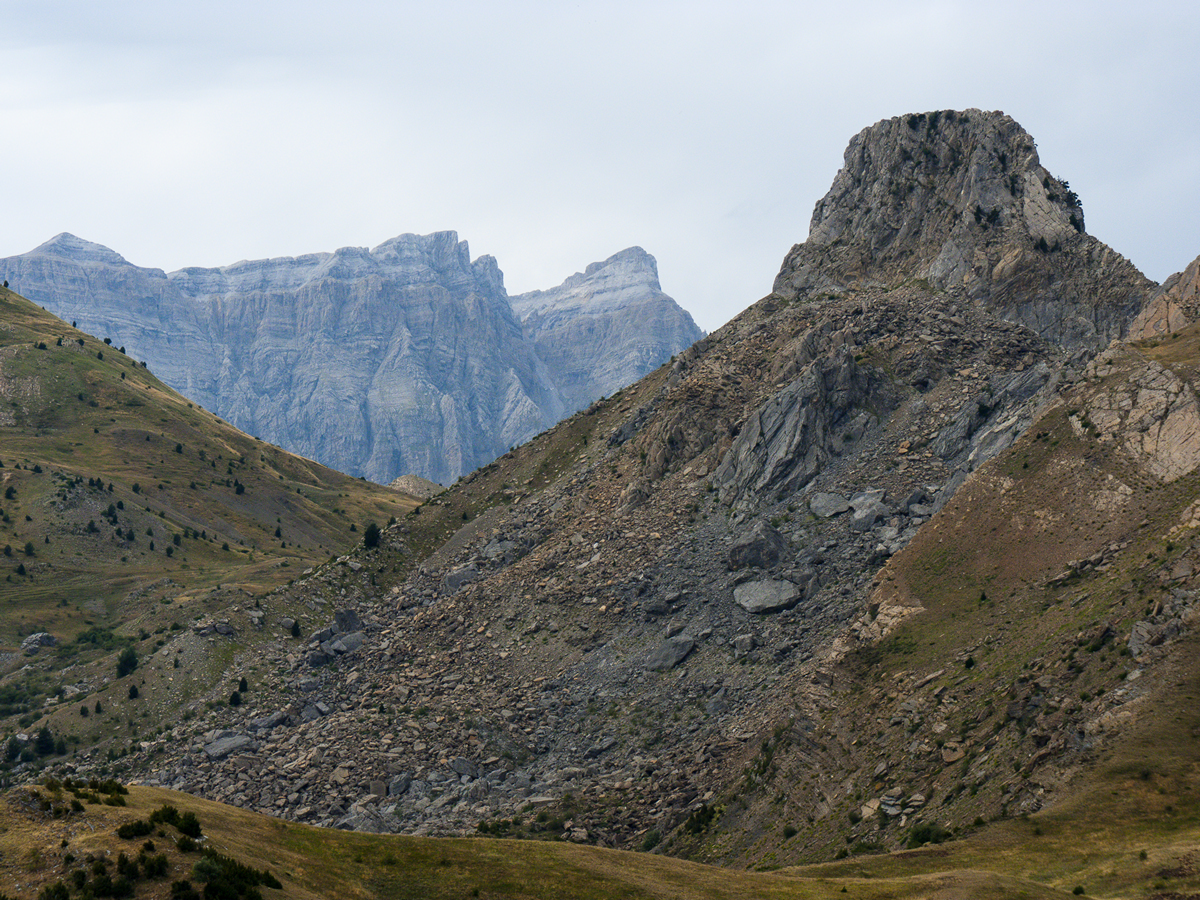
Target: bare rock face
[(796, 431), (403, 359), (605, 327), (1175, 305), (960, 200), (1152, 413)]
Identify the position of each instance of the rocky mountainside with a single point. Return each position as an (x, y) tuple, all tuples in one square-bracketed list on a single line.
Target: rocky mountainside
[(404, 359), (905, 547), (605, 327)]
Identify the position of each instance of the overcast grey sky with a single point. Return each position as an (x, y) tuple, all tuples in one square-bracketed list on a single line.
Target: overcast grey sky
[(551, 135)]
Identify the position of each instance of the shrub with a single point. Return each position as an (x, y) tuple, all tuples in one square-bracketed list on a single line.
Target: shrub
[(128, 867), (700, 819), (133, 692), (155, 866), (166, 814), (189, 825), (44, 743), (225, 877), (235, 699), (371, 536), (927, 833), (126, 662)]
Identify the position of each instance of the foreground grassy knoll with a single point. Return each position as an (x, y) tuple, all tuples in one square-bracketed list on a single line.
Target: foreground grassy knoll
[(1038, 858)]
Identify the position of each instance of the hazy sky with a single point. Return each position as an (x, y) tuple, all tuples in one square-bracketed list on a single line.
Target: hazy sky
[(551, 135)]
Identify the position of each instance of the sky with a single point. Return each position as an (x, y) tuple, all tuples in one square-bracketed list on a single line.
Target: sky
[(553, 134)]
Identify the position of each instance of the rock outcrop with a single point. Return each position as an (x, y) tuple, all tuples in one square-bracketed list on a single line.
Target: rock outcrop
[(960, 200), (404, 359), (1174, 305)]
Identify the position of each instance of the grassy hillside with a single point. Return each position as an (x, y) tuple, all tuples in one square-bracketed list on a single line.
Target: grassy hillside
[(126, 512), (40, 847)]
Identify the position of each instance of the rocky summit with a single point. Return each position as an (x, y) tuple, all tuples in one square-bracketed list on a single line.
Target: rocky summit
[(907, 547), (403, 359), (605, 327)]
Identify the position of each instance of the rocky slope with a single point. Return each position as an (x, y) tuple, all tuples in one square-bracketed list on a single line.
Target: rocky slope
[(605, 327), (864, 559), (404, 359)]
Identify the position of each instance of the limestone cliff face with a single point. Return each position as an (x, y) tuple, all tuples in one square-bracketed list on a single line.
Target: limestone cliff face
[(406, 358), (961, 200), (605, 327)]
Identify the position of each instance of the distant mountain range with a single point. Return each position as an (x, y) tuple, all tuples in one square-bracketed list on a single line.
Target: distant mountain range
[(409, 358)]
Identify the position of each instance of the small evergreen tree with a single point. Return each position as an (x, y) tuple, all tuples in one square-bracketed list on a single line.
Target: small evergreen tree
[(371, 536), (126, 662), (43, 744)]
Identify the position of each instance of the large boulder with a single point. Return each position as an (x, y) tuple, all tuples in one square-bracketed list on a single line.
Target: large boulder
[(761, 548), (826, 505), (223, 746), (670, 653), (767, 596), (35, 642), (463, 575)]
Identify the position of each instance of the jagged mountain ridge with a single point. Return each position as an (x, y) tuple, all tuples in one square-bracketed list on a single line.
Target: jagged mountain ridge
[(695, 611), (404, 359)]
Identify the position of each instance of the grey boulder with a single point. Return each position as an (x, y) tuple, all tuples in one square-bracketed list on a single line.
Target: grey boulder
[(767, 596), (761, 547), (670, 653), (827, 505)]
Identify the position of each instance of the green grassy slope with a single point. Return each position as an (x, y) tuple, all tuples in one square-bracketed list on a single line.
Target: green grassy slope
[(121, 502), (312, 862)]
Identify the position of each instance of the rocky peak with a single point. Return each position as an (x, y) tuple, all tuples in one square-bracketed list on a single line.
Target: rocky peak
[(602, 326), (68, 246), (619, 281), (960, 199)]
